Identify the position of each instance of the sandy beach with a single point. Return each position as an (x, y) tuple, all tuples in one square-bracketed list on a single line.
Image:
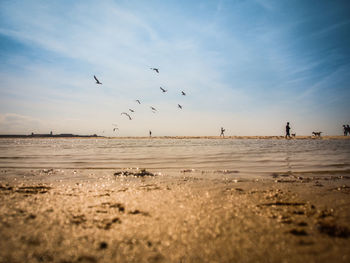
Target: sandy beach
[(179, 218), (174, 131), (174, 215)]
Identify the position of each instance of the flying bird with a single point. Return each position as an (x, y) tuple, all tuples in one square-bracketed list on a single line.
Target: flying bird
[(126, 115), (115, 129), (164, 90), (183, 93), (138, 101), (155, 69), (153, 109), (97, 81), (179, 106), (131, 110)]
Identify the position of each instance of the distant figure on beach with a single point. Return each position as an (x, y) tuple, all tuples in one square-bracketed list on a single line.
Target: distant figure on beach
[(150, 133), (317, 134), (222, 132), (345, 130), (287, 130)]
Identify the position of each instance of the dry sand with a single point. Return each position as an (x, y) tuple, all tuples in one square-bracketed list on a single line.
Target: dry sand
[(176, 217)]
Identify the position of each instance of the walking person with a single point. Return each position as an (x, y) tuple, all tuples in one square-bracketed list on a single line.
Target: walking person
[(222, 132), (150, 133), (287, 131), (345, 130)]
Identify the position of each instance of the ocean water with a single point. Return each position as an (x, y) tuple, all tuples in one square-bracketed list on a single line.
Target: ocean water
[(244, 156)]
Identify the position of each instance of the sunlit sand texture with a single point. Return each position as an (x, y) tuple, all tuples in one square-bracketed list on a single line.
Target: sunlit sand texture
[(174, 200)]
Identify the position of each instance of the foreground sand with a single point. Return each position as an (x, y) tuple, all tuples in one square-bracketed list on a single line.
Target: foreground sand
[(188, 216)]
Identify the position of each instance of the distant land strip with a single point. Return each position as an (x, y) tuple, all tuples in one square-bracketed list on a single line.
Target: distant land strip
[(69, 135), (50, 135)]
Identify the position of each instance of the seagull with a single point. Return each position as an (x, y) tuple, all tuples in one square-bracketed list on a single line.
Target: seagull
[(115, 129), (97, 81), (153, 109), (183, 93), (126, 115), (179, 106), (164, 90), (138, 101), (155, 69), (131, 110)]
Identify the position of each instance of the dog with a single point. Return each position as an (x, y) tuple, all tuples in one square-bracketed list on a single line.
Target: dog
[(294, 134), (318, 134)]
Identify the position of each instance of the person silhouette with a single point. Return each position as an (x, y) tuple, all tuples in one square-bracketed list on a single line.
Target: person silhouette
[(222, 132), (150, 133), (287, 130), (345, 130)]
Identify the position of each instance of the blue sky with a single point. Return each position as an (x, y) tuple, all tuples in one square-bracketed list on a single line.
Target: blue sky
[(248, 66)]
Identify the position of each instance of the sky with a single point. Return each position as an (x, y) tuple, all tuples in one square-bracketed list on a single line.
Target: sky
[(247, 66)]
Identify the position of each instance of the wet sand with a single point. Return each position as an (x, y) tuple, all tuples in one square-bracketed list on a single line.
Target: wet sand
[(86, 215), (256, 137), (304, 137)]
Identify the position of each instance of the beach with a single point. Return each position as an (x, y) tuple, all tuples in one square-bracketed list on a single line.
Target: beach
[(174, 131), (167, 200)]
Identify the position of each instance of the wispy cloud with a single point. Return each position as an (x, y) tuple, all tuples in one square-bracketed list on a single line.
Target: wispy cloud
[(232, 59)]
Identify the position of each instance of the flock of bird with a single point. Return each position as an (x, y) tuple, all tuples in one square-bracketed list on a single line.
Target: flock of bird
[(154, 110)]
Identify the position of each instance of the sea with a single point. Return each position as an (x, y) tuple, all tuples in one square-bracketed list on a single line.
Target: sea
[(238, 156)]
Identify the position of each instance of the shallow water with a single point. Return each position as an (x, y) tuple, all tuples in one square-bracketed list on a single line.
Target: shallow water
[(244, 156)]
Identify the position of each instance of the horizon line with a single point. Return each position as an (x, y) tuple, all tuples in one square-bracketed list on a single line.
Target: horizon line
[(70, 135)]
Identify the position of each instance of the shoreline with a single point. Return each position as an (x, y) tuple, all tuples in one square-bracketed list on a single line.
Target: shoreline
[(330, 137)]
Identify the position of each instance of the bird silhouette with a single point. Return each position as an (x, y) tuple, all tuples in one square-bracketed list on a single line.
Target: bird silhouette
[(164, 90), (179, 106), (131, 110), (126, 115), (115, 129), (153, 109), (183, 93), (155, 69), (138, 101), (97, 81)]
